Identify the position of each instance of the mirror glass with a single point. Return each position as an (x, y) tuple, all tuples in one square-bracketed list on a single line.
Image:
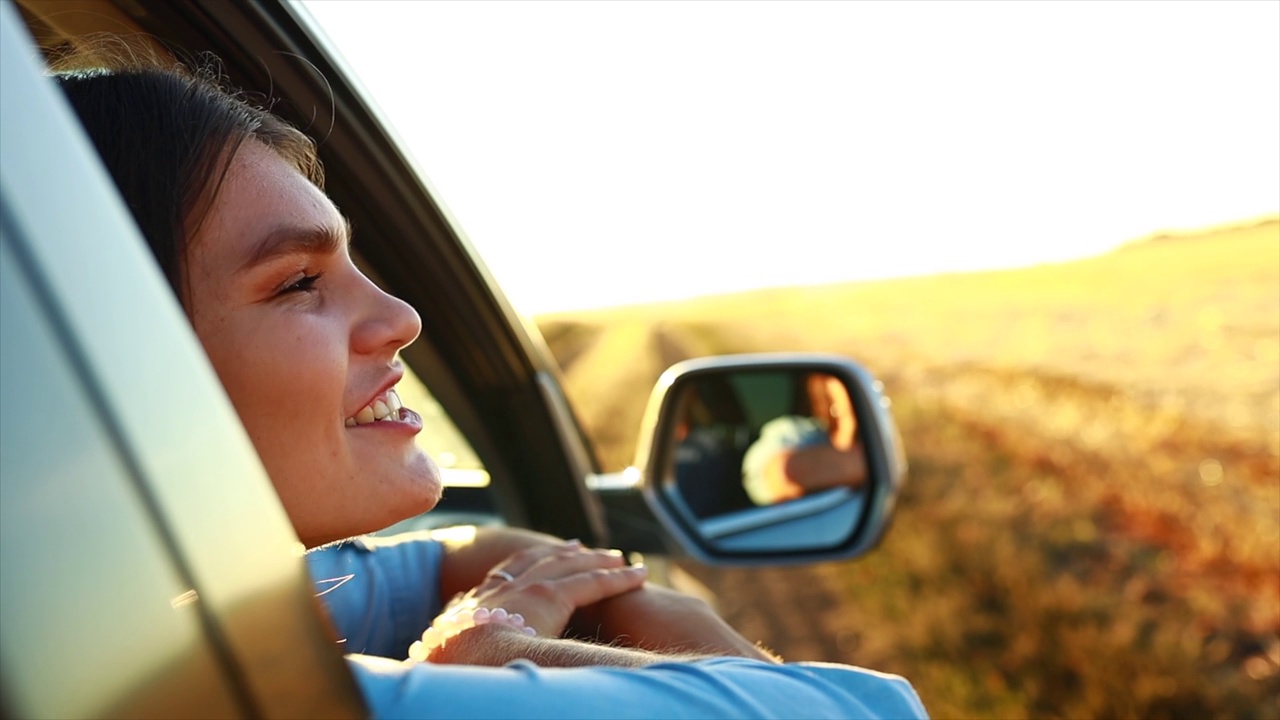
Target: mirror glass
[(788, 440)]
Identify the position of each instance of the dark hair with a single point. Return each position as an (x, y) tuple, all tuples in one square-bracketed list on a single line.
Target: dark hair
[(167, 135)]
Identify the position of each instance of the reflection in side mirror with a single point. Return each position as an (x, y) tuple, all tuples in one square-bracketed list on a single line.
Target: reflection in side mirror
[(772, 457), (750, 439)]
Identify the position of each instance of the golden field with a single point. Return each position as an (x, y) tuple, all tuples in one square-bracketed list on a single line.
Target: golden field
[(1091, 523)]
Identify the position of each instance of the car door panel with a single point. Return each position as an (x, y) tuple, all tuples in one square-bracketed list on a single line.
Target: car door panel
[(166, 455)]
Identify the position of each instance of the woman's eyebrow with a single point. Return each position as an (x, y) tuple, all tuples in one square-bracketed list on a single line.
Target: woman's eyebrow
[(295, 240)]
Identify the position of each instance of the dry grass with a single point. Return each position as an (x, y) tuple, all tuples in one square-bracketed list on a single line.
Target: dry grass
[(1092, 522)]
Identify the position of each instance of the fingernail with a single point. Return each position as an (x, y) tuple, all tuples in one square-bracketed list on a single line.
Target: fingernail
[(638, 567), (575, 542), (615, 552)]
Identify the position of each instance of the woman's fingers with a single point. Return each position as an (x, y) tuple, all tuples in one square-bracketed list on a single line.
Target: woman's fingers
[(547, 584), (553, 562), (547, 604), (517, 564), (592, 586), (571, 562)]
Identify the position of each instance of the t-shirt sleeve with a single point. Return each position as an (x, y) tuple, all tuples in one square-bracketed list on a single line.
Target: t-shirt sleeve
[(714, 688), (380, 592), (789, 432)]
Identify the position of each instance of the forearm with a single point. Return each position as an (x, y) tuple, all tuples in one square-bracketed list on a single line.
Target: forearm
[(662, 620), (823, 467), (496, 645)]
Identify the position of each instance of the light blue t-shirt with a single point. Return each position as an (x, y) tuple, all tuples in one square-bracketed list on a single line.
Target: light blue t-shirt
[(383, 592)]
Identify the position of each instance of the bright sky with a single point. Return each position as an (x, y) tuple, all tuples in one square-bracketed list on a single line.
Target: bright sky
[(605, 153)]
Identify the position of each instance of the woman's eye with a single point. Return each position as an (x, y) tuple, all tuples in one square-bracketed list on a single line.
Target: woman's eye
[(306, 283)]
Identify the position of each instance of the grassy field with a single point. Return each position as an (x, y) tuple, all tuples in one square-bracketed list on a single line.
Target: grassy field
[(1091, 525)]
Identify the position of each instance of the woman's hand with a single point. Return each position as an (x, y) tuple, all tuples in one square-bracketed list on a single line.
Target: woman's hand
[(546, 584), (656, 622)]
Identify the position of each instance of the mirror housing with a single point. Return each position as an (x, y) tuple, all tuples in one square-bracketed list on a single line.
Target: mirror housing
[(716, 427)]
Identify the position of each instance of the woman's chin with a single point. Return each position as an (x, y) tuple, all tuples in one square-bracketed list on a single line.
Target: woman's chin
[(398, 493), (427, 502), (420, 493), (408, 488), (431, 481)]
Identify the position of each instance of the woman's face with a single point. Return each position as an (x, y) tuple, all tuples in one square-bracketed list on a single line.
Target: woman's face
[(832, 404), (305, 346)]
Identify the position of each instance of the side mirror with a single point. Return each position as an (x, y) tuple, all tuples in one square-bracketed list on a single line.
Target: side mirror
[(770, 458)]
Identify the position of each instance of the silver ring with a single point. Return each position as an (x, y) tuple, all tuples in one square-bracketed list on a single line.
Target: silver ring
[(502, 574)]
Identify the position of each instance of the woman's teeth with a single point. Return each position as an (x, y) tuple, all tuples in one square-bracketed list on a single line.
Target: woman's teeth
[(383, 409)]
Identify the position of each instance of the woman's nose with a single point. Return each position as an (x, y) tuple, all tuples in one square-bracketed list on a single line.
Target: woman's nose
[(389, 324)]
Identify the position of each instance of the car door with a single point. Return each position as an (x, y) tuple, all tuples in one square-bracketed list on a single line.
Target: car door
[(148, 568)]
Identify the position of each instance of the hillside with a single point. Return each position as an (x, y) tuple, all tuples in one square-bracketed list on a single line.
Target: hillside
[(1095, 474)]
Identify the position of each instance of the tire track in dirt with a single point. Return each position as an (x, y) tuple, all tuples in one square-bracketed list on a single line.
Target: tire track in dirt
[(670, 350), (610, 381), (569, 340)]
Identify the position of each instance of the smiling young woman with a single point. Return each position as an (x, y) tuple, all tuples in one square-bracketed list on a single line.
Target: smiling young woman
[(231, 201)]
